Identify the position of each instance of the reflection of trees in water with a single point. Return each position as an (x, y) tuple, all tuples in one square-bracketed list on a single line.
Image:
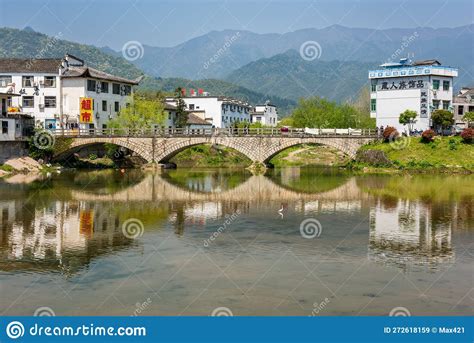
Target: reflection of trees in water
[(216, 180), (308, 180)]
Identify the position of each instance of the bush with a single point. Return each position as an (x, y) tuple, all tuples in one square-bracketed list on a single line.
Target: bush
[(427, 136), (92, 157), (390, 133), (453, 144), (467, 135)]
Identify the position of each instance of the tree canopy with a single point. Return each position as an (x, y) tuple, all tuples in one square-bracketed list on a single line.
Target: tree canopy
[(142, 114), (443, 118), (468, 118), (315, 112), (408, 118)]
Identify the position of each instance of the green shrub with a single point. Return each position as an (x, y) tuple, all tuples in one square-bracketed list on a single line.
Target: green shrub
[(92, 157), (453, 144)]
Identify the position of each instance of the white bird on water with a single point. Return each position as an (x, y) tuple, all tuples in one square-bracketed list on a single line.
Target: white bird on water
[(280, 211)]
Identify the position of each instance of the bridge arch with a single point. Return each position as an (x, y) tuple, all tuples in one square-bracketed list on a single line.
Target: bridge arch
[(138, 145), (166, 149)]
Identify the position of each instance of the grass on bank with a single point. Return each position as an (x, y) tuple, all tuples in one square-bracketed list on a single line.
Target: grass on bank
[(448, 153), (210, 156)]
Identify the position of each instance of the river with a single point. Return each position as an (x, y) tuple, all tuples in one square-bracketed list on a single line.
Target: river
[(297, 241)]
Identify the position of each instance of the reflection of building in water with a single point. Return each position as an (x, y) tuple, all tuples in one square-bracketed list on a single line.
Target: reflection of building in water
[(51, 234), (328, 206), (405, 232)]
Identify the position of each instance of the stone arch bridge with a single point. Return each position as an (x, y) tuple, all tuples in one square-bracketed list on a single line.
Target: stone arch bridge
[(259, 147)]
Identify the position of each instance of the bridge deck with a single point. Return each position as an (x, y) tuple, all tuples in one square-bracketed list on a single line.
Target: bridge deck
[(215, 132)]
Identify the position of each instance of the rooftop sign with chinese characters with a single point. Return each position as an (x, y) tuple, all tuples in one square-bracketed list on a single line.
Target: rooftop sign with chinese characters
[(400, 85)]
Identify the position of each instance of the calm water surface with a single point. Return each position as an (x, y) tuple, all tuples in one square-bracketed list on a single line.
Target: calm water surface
[(196, 240)]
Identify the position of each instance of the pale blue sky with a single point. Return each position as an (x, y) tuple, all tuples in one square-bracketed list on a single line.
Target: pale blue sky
[(167, 23)]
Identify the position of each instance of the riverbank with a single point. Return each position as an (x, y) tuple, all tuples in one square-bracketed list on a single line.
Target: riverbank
[(444, 155)]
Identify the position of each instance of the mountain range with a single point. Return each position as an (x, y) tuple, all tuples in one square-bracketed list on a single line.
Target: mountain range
[(259, 67), (234, 49)]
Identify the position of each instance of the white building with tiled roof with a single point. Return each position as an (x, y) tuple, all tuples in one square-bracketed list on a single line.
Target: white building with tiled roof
[(51, 89), (219, 111), (265, 114), (463, 102)]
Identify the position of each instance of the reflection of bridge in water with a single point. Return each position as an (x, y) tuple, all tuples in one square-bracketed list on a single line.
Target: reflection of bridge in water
[(257, 188)]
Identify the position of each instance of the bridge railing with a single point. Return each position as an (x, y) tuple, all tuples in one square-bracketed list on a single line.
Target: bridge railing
[(215, 132)]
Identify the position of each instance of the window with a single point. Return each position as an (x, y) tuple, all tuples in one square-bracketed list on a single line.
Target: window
[(471, 109), (460, 110), (50, 81), (117, 106), (50, 101), (435, 84), (115, 88), (373, 87), (91, 84), (373, 105), (104, 87), (5, 80), (446, 85), (191, 106), (27, 81), (446, 104), (4, 127), (436, 104), (104, 105), (28, 101), (127, 90)]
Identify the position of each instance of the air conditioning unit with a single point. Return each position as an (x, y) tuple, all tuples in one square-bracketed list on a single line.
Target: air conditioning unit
[(110, 117), (35, 84), (41, 82), (435, 94), (41, 106)]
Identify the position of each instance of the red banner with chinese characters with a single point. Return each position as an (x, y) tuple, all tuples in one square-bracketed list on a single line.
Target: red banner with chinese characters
[(85, 110)]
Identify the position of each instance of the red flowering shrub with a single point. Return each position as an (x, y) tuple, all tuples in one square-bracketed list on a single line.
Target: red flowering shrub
[(467, 135), (390, 133), (428, 136)]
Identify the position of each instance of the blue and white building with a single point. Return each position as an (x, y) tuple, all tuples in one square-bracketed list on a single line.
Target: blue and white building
[(421, 86)]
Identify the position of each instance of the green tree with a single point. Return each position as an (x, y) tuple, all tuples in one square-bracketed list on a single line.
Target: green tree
[(408, 118), (442, 118), (142, 114), (468, 118), (315, 112), (181, 113)]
